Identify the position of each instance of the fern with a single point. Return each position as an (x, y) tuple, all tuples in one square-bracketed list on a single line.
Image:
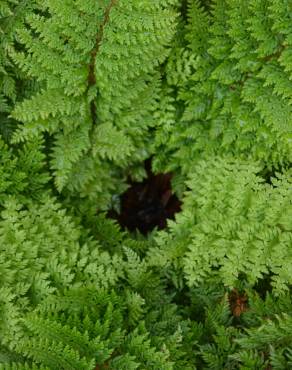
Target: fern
[(238, 226), (96, 92), (88, 91), (12, 81), (22, 170), (234, 92)]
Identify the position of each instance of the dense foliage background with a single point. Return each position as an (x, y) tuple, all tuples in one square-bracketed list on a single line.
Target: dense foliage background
[(89, 90)]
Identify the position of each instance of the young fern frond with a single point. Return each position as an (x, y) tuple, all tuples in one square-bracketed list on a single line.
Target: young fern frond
[(92, 83)]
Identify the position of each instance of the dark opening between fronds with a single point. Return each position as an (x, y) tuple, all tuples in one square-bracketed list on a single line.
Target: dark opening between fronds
[(147, 204)]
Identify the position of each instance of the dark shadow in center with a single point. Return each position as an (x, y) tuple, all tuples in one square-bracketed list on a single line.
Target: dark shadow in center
[(147, 204)]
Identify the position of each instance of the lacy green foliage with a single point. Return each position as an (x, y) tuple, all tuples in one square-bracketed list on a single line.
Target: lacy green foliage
[(231, 224), (273, 338), (20, 366), (269, 332), (58, 309), (12, 13), (22, 171), (230, 71), (83, 328), (40, 252), (9, 15), (260, 338), (93, 88), (97, 63)]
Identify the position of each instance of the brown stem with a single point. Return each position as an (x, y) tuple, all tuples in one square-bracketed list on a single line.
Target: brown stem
[(99, 37)]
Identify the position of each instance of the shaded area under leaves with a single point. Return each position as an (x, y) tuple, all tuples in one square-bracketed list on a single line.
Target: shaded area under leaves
[(147, 204)]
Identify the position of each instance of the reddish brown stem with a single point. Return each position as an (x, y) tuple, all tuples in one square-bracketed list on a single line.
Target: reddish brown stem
[(99, 37)]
